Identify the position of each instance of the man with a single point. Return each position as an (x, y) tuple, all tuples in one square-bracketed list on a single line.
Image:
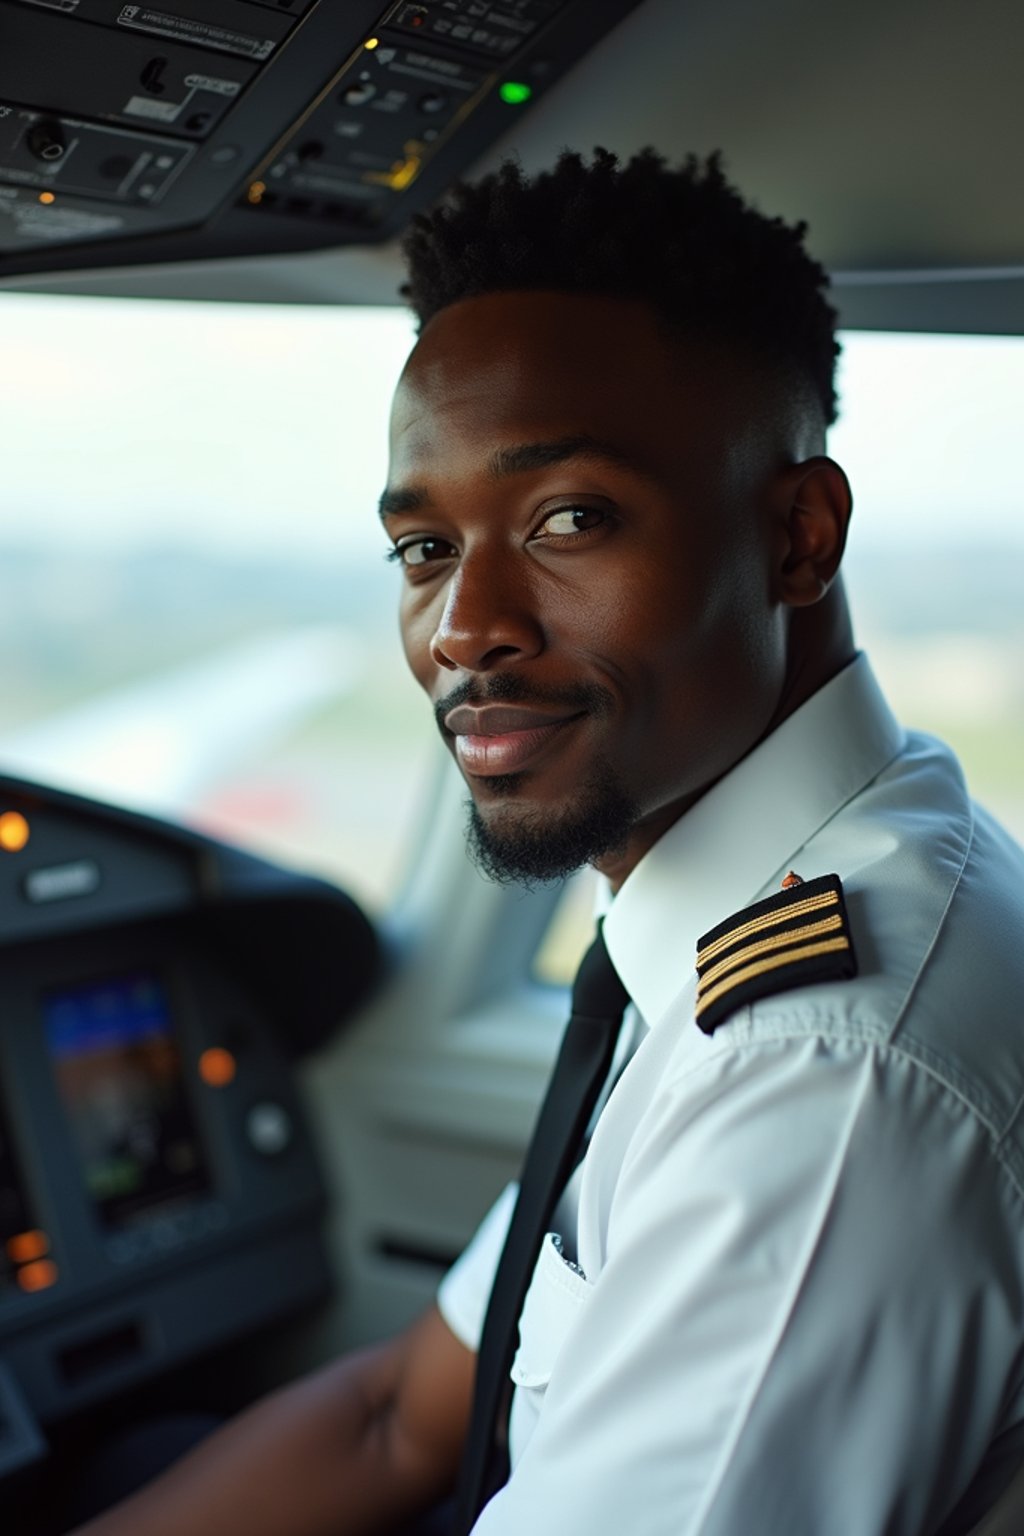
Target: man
[(785, 1289)]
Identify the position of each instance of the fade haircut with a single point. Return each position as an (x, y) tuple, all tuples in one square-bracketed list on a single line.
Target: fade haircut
[(680, 238)]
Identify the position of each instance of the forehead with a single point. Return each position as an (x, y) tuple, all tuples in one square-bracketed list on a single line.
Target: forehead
[(538, 366)]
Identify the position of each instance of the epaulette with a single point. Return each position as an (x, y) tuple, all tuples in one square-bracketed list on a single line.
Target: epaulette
[(800, 936)]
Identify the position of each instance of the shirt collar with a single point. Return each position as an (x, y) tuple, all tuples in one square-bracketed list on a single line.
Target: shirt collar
[(740, 838)]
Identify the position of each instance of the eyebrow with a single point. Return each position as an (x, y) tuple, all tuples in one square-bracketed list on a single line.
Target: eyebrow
[(521, 459)]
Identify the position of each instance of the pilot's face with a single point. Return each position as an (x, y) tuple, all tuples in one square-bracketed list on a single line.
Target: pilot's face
[(586, 571)]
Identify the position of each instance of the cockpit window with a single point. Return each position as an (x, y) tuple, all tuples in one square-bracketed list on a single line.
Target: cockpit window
[(197, 617), (935, 566)]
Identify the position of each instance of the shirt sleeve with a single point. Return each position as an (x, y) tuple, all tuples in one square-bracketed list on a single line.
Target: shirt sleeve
[(465, 1290), (808, 1317)]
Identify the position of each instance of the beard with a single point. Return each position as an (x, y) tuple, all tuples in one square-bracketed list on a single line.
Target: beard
[(534, 847)]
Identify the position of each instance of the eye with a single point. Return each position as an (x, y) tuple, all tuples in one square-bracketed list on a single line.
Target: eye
[(420, 551), (566, 521)]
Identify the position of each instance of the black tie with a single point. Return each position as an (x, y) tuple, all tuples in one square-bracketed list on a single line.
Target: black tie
[(598, 1002)]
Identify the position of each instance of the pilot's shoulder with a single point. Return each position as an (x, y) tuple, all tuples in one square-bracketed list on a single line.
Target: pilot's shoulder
[(905, 935)]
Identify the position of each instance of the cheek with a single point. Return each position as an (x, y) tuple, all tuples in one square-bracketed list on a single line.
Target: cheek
[(417, 626), (703, 651)]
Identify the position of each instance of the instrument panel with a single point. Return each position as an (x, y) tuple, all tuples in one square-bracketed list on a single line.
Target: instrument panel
[(160, 1193)]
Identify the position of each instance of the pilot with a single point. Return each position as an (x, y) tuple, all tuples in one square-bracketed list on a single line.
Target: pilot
[(782, 1289)]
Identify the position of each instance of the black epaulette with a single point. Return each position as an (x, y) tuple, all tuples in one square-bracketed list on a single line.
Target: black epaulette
[(800, 936)]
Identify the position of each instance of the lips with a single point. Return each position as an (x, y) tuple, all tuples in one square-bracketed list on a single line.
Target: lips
[(499, 738), (501, 719)]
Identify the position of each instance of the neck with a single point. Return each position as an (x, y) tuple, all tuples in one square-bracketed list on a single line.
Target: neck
[(820, 645)]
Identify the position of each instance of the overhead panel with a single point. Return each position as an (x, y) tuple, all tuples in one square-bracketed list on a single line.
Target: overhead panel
[(394, 108), (195, 128)]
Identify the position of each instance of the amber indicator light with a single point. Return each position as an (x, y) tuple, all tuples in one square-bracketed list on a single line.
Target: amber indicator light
[(217, 1067), (38, 1276), (27, 1246), (14, 831)]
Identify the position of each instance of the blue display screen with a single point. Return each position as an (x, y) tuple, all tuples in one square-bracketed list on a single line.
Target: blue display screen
[(119, 1073), (106, 1016)]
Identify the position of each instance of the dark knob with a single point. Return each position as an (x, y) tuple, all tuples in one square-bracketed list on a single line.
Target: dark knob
[(46, 140)]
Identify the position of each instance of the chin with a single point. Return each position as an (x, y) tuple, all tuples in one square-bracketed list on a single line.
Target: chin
[(513, 838)]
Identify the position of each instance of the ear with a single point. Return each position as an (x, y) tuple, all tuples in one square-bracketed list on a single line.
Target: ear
[(813, 514)]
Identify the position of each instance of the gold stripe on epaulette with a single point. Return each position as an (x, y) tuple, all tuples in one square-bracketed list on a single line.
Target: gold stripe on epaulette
[(767, 920), (788, 957), (765, 946)]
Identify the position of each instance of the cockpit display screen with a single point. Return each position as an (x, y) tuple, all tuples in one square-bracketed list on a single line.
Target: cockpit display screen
[(119, 1073), (17, 1228)]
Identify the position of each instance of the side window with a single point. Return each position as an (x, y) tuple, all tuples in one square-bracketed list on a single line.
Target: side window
[(569, 932), (934, 567), (197, 617)]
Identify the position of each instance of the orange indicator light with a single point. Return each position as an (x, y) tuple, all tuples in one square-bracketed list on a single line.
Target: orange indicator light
[(217, 1067), (256, 191), (38, 1276), (14, 831), (401, 174), (27, 1246), (47, 197)]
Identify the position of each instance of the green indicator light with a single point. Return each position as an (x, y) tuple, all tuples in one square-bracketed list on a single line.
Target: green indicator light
[(514, 92)]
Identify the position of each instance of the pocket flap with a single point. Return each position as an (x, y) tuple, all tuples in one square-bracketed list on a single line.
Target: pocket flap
[(556, 1297)]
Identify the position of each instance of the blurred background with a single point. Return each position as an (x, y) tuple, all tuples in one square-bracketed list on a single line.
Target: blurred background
[(197, 618)]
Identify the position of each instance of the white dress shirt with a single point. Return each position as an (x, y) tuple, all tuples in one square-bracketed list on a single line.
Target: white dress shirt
[(796, 1297)]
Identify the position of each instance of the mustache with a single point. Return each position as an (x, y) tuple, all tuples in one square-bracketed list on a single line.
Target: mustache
[(504, 688)]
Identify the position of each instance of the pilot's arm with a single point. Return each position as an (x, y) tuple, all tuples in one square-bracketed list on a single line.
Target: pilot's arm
[(362, 1445)]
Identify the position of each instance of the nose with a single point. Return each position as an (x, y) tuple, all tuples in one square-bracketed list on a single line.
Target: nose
[(489, 618)]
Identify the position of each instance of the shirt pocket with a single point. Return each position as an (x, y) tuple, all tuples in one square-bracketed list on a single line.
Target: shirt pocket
[(556, 1299)]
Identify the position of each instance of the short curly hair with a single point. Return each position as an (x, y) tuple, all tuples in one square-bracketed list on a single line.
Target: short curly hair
[(681, 238)]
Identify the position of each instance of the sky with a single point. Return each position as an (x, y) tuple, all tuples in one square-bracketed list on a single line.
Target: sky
[(228, 427)]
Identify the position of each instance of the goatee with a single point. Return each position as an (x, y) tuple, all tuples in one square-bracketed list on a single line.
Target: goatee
[(533, 847)]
